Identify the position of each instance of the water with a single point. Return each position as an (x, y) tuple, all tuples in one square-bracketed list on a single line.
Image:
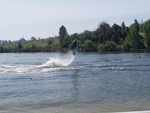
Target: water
[(62, 83)]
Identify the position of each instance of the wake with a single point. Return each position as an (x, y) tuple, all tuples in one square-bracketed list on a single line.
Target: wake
[(60, 61), (57, 62)]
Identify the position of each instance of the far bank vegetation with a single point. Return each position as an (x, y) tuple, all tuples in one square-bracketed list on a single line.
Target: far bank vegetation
[(106, 38)]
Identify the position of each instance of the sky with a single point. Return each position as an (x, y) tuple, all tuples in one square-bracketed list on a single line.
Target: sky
[(43, 18)]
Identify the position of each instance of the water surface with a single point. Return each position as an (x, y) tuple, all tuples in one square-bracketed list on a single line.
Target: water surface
[(88, 82)]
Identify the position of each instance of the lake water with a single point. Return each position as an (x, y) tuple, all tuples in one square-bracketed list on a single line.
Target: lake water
[(62, 83)]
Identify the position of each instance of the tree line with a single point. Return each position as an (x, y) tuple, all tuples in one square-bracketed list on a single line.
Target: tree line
[(105, 38)]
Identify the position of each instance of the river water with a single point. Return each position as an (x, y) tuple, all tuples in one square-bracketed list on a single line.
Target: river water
[(63, 83)]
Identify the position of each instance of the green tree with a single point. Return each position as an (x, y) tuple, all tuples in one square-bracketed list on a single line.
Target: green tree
[(133, 36), (65, 42), (75, 36), (87, 35), (124, 30), (50, 41), (19, 46), (2, 49), (116, 33), (62, 32), (127, 46), (54, 47), (103, 32), (89, 46), (146, 31), (108, 46)]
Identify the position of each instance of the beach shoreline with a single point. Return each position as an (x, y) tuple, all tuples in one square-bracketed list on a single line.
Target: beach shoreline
[(82, 108)]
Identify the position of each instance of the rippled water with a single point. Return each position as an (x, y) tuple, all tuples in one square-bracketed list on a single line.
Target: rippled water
[(28, 81)]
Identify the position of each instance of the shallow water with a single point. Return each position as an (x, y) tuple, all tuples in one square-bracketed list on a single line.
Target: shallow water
[(64, 83)]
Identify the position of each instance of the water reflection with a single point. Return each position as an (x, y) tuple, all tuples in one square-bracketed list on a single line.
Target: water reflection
[(75, 85)]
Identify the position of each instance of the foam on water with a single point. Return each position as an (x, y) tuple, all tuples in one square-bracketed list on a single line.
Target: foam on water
[(59, 61), (54, 63)]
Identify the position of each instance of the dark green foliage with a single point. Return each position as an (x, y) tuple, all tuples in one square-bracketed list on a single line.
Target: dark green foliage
[(65, 42), (50, 42), (146, 31), (2, 49), (108, 46), (116, 33), (133, 36), (89, 46), (87, 35), (127, 46), (104, 38), (62, 32), (124, 30), (19, 46), (54, 47), (103, 32)]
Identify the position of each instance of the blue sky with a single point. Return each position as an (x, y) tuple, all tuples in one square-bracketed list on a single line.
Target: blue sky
[(43, 18)]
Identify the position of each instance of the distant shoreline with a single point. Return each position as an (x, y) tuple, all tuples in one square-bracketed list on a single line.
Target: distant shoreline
[(106, 38)]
